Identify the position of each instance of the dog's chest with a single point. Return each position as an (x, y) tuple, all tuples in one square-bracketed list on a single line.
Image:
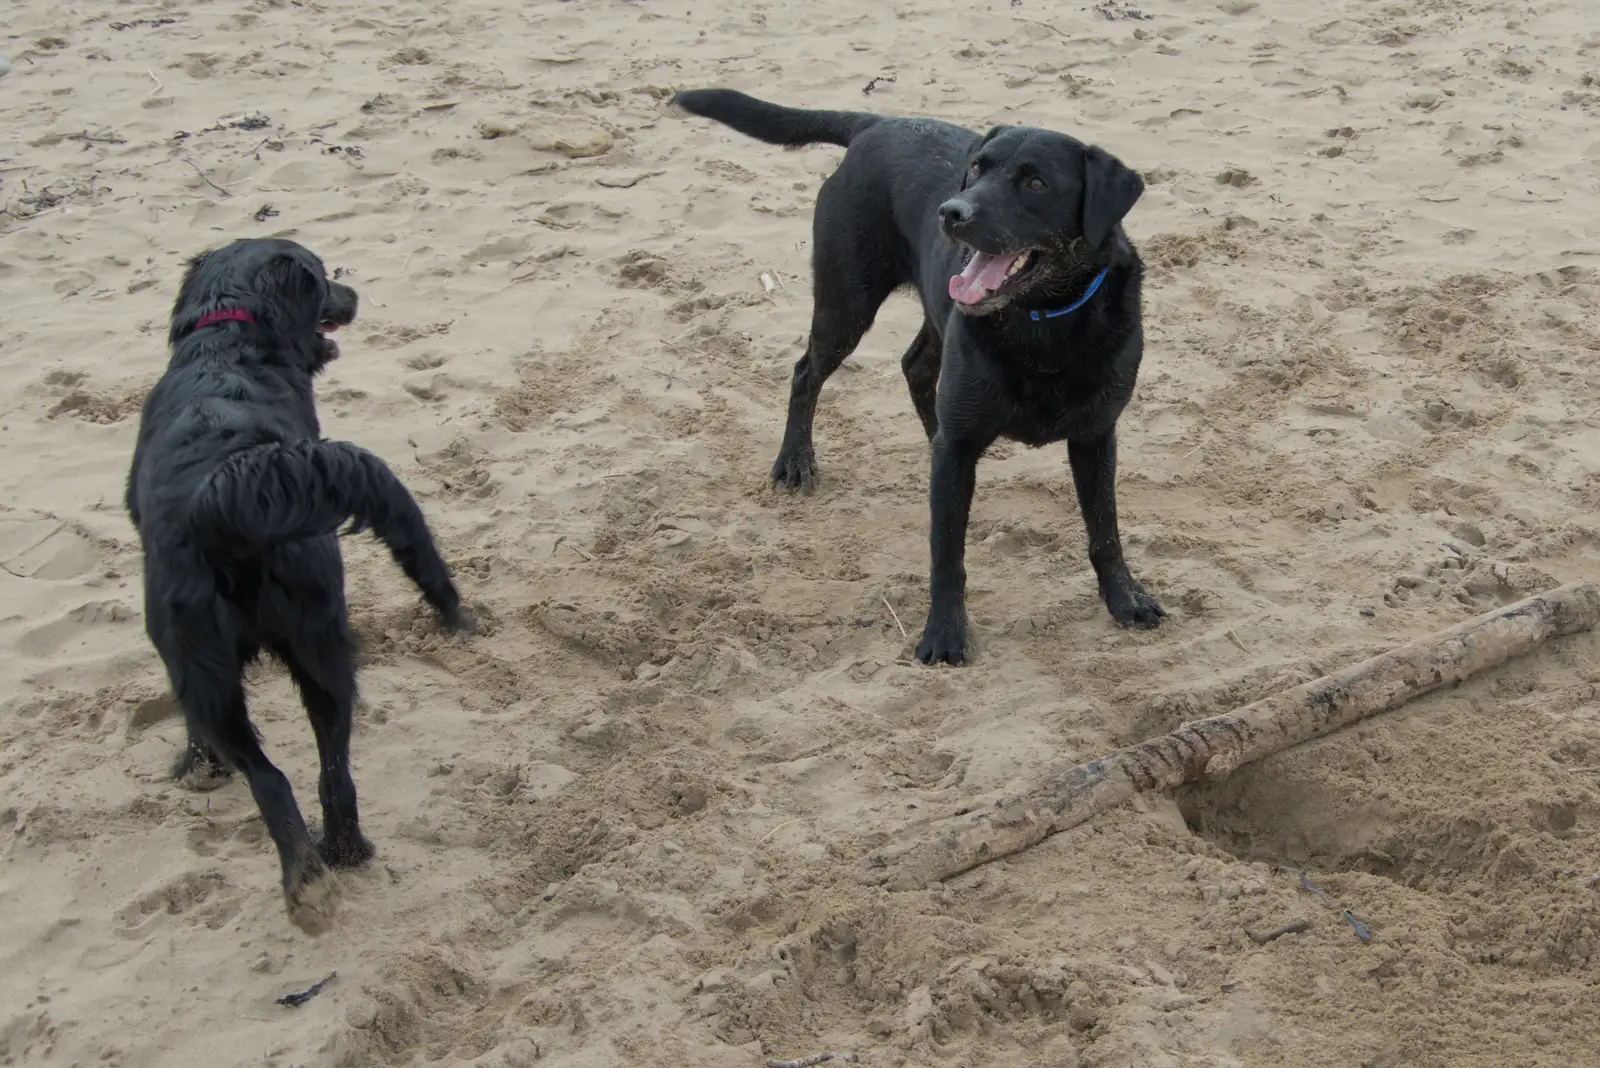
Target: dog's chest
[(1044, 410)]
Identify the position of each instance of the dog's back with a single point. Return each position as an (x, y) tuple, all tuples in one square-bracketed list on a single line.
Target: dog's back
[(230, 470), (880, 203), (216, 399)]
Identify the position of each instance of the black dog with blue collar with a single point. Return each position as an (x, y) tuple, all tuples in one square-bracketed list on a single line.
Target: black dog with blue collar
[(1030, 291)]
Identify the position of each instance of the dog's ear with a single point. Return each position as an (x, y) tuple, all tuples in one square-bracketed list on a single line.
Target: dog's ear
[(191, 274), (994, 131), (192, 268), (1110, 190), (298, 281)]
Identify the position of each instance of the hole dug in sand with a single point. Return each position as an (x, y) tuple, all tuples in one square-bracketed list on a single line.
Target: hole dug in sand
[(1493, 859)]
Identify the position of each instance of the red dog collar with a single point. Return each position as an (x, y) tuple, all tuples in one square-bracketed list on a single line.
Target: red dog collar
[(226, 315)]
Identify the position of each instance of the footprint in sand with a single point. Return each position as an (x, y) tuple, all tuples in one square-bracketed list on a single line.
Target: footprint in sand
[(74, 626), (38, 547), (732, 172), (460, 468), (199, 898), (639, 269), (426, 361), (227, 837), (428, 388), (398, 335)]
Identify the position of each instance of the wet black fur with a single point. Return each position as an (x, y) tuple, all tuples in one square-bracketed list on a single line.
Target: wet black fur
[(238, 499), (907, 205)]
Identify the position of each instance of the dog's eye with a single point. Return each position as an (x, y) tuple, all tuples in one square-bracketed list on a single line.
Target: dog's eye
[(976, 169), (1036, 184)]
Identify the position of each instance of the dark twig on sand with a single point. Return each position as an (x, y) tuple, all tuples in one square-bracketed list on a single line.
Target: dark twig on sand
[(574, 548), (1119, 9), (97, 137), (152, 23), (1040, 22), (253, 120), (299, 998), (205, 179), (1363, 932), (1261, 938), (814, 1059)]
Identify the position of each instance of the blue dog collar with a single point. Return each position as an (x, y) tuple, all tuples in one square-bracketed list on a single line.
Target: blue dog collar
[(1094, 287)]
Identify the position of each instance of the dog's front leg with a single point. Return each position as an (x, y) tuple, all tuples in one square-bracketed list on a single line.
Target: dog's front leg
[(955, 476), (1094, 473)]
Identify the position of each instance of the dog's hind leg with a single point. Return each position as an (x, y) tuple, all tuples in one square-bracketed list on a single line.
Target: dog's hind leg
[(323, 665), (201, 768), (848, 288), (834, 336), (212, 696), (921, 365)]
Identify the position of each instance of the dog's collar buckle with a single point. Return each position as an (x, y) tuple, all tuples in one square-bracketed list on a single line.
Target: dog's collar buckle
[(225, 315), (1056, 313)]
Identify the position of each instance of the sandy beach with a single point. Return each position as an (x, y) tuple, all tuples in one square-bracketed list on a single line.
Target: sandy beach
[(617, 827)]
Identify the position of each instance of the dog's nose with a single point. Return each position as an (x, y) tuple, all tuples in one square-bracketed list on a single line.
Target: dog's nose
[(955, 212)]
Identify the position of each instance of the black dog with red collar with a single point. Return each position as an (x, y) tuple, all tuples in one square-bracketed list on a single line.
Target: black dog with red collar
[(238, 501)]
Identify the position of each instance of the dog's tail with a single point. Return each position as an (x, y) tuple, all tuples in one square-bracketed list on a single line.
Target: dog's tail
[(772, 123), (280, 492)]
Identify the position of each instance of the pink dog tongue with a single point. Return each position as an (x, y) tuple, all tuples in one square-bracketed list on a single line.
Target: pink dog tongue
[(983, 276)]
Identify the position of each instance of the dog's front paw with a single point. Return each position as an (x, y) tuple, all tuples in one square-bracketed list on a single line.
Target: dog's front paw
[(944, 640), (795, 469), (1133, 608), (311, 894), (454, 616)]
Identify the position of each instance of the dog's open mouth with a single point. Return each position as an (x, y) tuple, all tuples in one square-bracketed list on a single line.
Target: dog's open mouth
[(330, 346), (988, 275)]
